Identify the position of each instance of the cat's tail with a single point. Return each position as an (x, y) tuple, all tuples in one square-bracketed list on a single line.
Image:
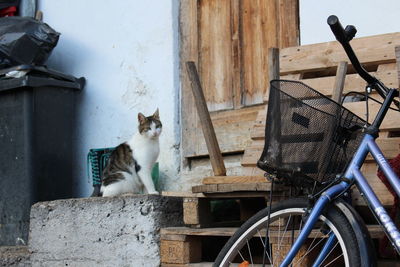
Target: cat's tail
[(96, 191)]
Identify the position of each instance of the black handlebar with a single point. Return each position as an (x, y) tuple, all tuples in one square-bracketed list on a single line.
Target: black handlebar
[(337, 29), (344, 37)]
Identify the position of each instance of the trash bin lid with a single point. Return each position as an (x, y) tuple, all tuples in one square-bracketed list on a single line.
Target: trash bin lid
[(37, 76)]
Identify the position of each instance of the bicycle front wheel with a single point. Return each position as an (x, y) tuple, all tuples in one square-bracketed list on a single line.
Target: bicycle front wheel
[(287, 218)]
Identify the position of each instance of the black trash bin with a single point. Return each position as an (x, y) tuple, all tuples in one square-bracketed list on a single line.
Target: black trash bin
[(37, 122)]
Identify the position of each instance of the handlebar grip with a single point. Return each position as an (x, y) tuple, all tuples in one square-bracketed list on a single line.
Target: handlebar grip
[(337, 29), (350, 32)]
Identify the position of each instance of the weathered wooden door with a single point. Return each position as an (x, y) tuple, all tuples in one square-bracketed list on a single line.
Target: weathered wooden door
[(229, 41)]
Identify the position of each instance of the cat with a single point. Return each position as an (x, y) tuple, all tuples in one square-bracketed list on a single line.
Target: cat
[(129, 167)]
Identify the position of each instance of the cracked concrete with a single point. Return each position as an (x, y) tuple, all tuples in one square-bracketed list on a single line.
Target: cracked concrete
[(118, 231)]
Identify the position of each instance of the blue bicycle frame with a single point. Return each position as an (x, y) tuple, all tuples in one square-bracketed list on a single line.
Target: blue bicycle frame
[(353, 174)]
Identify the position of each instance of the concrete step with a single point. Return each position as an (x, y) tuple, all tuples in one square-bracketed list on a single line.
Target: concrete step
[(14, 256), (101, 231)]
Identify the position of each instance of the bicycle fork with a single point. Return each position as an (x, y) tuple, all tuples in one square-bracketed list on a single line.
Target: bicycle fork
[(317, 210)]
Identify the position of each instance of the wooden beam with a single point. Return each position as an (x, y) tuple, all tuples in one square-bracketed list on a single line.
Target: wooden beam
[(217, 162), (339, 81), (231, 128), (273, 67), (397, 52), (253, 152), (233, 179), (375, 231), (371, 50), (225, 188), (273, 63), (189, 51)]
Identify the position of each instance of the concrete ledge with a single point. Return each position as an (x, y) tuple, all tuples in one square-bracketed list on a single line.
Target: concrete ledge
[(14, 256), (117, 231)]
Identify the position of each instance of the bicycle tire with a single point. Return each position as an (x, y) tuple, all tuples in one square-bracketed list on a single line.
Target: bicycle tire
[(332, 218)]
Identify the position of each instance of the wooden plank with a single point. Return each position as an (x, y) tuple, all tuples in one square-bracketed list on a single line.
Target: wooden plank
[(265, 186), (219, 231), (233, 179), (206, 123), (215, 55), (376, 49), (188, 52), (273, 67), (258, 129), (224, 188), (273, 63), (397, 53), (236, 54), (174, 237), (180, 194), (289, 26), (232, 128), (375, 231), (260, 31), (339, 81), (391, 121), (253, 153), (389, 146), (387, 73)]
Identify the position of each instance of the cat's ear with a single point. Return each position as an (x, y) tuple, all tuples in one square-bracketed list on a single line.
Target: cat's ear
[(141, 118), (156, 115)]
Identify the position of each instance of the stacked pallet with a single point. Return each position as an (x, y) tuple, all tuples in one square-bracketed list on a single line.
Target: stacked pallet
[(209, 219), (317, 66), (377, 54)]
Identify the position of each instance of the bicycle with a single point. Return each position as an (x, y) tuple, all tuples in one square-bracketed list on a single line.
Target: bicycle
[(322, 228)]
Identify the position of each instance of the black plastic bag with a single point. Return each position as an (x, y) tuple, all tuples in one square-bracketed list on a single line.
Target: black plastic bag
[(24, 40)]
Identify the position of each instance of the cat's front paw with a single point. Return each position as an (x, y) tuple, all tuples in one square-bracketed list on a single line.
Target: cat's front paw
[(154, 193)]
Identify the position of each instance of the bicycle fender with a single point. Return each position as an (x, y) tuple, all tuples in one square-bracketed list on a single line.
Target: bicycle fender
[(367, 253)]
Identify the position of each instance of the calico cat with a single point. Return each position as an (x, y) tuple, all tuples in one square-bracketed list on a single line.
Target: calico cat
[(129, 167)]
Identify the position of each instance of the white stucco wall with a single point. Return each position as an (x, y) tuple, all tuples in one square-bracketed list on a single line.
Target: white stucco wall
[(370, 17), (128, 52)]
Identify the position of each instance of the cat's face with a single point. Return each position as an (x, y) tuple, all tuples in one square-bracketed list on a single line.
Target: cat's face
[(151, 126)]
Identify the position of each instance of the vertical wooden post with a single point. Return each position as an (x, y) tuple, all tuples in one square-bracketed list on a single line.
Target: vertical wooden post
[(273, 63), (397, 51), (217, 162), (339, 81), (273, 68)]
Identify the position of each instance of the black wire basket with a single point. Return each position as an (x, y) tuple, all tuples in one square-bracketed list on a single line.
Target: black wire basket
[(308, 136)]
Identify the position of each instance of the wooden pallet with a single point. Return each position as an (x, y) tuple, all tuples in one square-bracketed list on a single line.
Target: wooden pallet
[(248, 194), (314, 65), (183, 246)]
